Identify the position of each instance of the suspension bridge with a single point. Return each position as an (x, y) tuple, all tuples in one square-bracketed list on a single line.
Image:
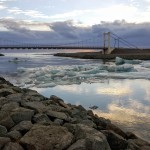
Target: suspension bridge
[(108, 43)]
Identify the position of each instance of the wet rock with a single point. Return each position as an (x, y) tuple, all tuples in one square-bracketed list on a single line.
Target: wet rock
[(3, 131), (13, 146), (23, 126), (14, 135), (55, 137), (3, 141), (59, 115), (22, 114), (115, 141)]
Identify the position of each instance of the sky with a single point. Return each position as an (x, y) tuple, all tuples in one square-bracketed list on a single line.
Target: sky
[(69, 20)]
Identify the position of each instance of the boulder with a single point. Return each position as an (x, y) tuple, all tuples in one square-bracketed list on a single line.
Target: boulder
[(58, 121), (17, 97), (6, 91), (59, 115), (39, 107), (3, 131), (23, 126), (9, 106), (14, 135), (115, 141), (47, 137), (22, 114), (79, 145), (13, 146), (3, 141)]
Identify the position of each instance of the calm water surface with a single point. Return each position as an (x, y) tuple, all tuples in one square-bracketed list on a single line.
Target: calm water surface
[(126, 102)]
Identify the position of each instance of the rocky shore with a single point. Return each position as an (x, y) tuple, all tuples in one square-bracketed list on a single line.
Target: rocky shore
[(30, 121)]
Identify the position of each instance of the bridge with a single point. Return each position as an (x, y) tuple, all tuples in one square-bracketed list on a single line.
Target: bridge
[(107, 44)]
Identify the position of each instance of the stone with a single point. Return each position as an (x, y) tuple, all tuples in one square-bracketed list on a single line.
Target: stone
[(3, 141), (79, 145), (88, 123), (14, 135), (117, 130), (10, 106), (58, 121), (59, 115), (3, 81), (22, 114), (94, 138), (6, 120), (41, 118), (55, 98), (115, 141), (5, 92), (17, 97), (23, 126), (47, 137), (3, 131), (13, 146), (37, 106), (131, 135)]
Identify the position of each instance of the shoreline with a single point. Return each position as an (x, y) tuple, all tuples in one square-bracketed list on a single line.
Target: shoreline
[(30, 120), (123, 53)]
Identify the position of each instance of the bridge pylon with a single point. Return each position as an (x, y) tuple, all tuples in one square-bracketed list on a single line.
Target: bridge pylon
[(107, 45)]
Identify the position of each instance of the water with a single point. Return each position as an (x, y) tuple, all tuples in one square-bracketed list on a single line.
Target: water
[(125, 101)]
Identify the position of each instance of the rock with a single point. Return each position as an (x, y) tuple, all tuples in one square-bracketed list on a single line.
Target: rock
[(3, 131), (55, 98), (17, 97), (59, 121), (119, 61), (13, 146), (14, 135), (115, 141), (37, 106), (93, 107), (90, 113), (102, 123), (6, 120), (76, 113), (94, 139), (3, 141), (88, 123), (80, 107), (23, 126), (131, 135), (9, 106), (79, 145), (116, 130), (22, 114), (55, 137), (5, 92), (3, 81), (41, 118), (59, 115)]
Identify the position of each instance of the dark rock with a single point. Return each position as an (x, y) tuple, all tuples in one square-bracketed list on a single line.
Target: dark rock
[(3, 141), (41, 118), (59, 121), (131, 135), (5, 92), (22, 114), (3, 131), (93, 107), (23, 126), (79, 145), (90, 113), (80, 107), (115, 141), (47, 137), (17, 97), (3, 81), (88, 123), (14, 135), (9, 106), (13, 146), (116, 130), (55, 98), (6, 120)]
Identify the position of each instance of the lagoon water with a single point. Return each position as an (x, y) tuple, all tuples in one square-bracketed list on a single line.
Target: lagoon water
[(120, 96)]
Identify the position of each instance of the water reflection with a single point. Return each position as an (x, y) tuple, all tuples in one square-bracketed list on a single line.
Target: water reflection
[(125, 102)]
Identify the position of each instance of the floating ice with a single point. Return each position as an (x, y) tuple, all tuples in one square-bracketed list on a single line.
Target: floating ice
[(50, 76), (120, 61)]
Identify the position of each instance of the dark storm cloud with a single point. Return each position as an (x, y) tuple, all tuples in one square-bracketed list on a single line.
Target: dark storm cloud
[(138, 34)]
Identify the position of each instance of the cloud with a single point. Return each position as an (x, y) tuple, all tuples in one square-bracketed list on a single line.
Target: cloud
[(67, 31)]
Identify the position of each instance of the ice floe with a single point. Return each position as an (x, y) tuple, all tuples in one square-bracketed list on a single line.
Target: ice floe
[(51, 76)]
